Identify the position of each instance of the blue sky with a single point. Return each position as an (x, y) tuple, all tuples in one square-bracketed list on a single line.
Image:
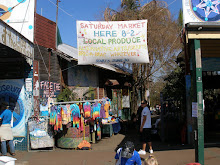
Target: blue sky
[(86, 10)]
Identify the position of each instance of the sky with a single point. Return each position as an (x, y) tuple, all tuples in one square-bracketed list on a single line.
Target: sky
[(86, 10)]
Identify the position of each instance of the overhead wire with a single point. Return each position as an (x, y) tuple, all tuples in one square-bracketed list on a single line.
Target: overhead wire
[(149, 18), (41, 56), (13, 7), (25, 16), (61, 9), (163, 9)]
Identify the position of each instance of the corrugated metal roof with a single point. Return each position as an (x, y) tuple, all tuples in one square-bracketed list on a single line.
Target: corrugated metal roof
[(72, 54)]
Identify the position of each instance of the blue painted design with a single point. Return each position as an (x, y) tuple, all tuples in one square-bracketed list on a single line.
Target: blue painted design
[(21, 1), (10, 9), (30, 27), (195, 8), (206, 10), (16, 104)]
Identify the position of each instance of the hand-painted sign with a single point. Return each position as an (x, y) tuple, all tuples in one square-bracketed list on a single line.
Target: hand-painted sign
[(201, 10), (16, 41), (51, 90), (112, 42)]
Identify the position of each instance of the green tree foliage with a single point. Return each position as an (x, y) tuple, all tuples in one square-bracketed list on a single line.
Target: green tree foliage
[(175, 85), (66, 95), (163, 40)]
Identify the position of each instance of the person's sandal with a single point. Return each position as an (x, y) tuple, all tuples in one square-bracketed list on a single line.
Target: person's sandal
[(12, 154)]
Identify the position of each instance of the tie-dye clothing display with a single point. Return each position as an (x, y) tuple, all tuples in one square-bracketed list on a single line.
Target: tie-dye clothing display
[(106, 108), (81, 123), (102, 111), (96, 110), (75, 114), (87, 109), (66, 114), (98, 132), (53, 118), (59, 124)]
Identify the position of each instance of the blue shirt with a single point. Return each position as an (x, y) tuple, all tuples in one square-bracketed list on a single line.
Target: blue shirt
[(6, 116), (135, 159)]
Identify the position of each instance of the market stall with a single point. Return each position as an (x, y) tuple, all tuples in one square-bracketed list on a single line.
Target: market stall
[(110, 126), (78, 120), (67, 124)]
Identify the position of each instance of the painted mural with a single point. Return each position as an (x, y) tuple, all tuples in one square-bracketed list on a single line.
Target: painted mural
[(20, 102), (19, 14)]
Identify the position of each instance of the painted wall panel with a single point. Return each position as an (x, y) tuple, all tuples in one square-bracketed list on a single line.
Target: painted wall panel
[(13, 91), (83, 76)]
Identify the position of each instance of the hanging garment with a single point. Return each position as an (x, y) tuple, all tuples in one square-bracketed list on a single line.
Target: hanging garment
[(75, 114), (82, 123), (96, 110), (53, 116), (106, 108), (59, 125), (87, 109), (102, 111), (98, 131), (68, 113), (64, 114)]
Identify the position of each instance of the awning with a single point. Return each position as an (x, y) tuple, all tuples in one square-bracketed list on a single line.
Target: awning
[(70, 53), (110, 82)]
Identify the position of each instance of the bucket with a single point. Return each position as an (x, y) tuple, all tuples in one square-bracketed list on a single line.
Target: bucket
[(6, 160)]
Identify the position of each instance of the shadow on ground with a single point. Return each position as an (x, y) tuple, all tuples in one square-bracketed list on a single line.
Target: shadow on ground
[(132, 134)]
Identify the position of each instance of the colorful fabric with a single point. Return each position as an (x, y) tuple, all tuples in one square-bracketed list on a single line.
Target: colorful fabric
[(53, 117), (64, 114), (106, 108), (59, 124), (98, 132), (87, 109), (75, 114), (102, 111), (68, 113), (96, 110), (81, 123)]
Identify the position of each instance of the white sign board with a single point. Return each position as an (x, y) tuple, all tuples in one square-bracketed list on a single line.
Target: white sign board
[(125, 102), (112, 42), (28, 84), (194, 109), (19, 14), (201, 11)]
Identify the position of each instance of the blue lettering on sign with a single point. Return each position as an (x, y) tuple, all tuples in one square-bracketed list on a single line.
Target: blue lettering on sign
[(10, 88), (105, 33), (117, 60)]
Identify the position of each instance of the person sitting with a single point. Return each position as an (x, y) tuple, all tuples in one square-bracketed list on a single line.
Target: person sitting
[(127, 155)]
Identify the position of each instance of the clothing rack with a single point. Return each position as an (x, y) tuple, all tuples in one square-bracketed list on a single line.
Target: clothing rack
[(82, 101)]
